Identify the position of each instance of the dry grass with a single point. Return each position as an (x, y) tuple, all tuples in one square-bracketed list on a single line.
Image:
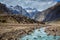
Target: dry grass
[(8, 31)]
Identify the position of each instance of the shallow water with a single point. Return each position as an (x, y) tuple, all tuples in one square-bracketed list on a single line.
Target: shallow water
[(39, 34)]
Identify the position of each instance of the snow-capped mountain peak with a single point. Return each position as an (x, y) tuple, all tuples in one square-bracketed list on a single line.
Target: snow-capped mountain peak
[(29, 10)]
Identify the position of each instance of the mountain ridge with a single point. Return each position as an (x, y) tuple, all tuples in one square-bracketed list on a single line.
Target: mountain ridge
[(48, 15)]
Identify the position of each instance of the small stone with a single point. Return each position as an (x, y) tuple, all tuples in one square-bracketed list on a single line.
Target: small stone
[(38, 30), (35, 38), (39, 36)]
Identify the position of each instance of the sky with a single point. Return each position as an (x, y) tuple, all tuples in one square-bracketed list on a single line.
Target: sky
[(38, 4), (57, 0)]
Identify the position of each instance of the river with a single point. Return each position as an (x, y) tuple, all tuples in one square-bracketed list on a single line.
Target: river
[(39, 34)]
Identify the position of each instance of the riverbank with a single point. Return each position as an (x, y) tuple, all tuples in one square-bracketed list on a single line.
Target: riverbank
[(54, 29), (39, 34), (14, 31)]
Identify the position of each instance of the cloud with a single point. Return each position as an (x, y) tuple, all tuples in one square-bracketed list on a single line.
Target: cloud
[(38, 4)]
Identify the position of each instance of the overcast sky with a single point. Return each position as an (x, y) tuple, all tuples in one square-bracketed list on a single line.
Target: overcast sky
[(38, 4)]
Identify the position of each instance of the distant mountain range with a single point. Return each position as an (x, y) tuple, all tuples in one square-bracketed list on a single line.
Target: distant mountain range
[(13, 15), (29, 12), (49, 14)]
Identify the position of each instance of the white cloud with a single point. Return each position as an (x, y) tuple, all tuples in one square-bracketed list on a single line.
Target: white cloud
[(38, 4)]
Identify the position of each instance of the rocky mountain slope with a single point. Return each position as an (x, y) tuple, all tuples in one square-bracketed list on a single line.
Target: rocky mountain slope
[(29, 12), (7, 16), (52, 13)]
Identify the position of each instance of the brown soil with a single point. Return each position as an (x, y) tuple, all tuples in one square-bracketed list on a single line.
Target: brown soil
[(14, 31)]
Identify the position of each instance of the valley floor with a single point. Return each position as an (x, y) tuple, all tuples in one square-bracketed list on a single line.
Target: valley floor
[(11, 31)]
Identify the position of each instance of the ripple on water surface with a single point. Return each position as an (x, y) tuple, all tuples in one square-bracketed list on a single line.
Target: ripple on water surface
[(39, 34)]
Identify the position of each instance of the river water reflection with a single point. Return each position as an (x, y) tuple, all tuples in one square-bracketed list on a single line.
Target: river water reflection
[(39, 34)]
